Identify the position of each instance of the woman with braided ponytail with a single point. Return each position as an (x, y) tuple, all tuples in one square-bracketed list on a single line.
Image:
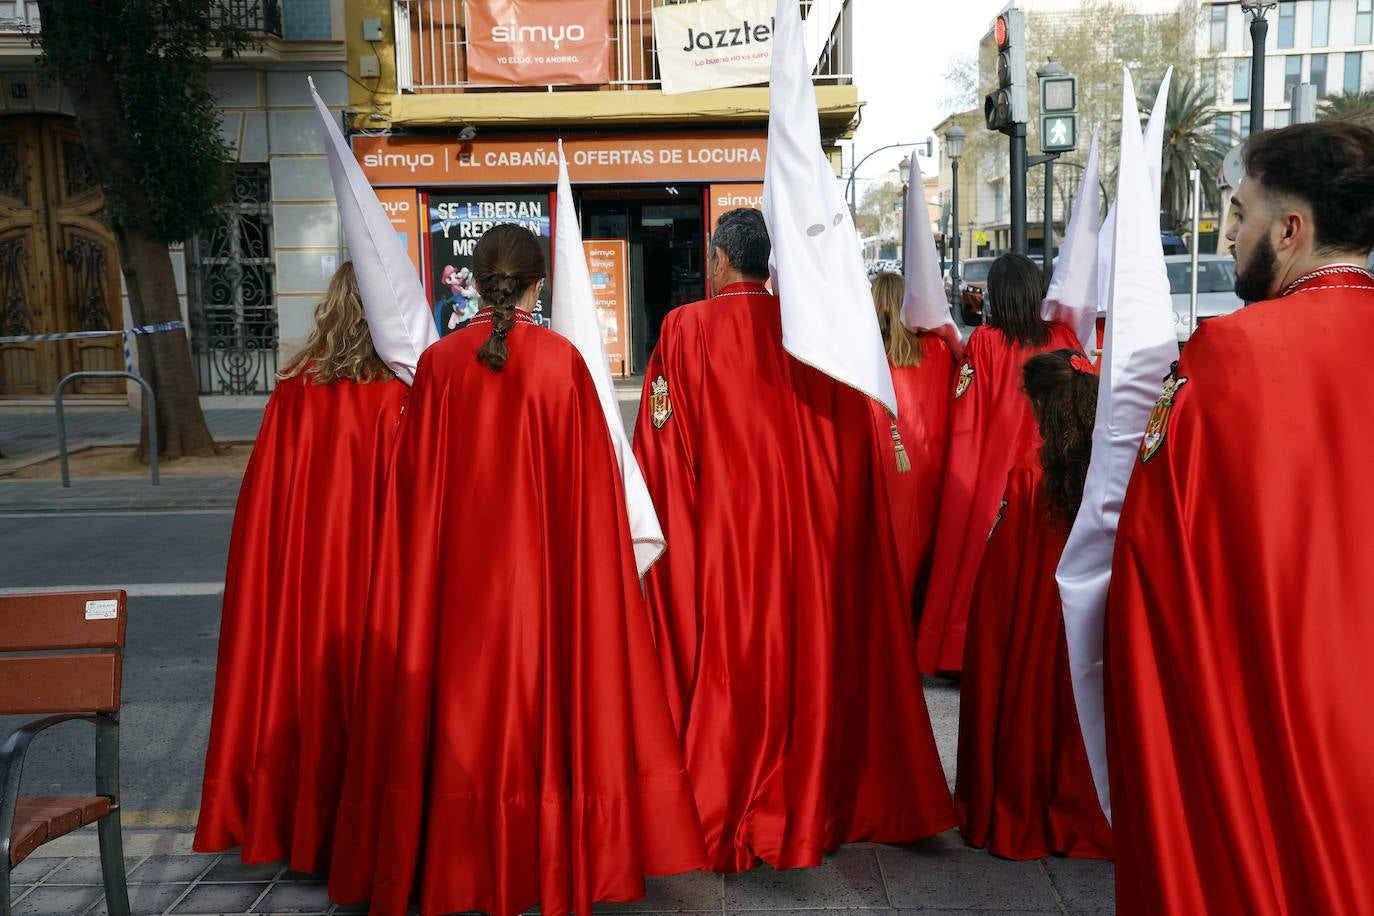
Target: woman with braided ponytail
[(514, 744), (1023, 788)]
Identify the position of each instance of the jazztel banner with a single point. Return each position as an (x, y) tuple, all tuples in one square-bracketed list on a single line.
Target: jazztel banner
[(713, 44), (538, 42)]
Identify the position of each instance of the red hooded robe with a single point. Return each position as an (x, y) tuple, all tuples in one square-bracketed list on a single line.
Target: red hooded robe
[(1240, 621), (295, 596), (1024, 788), (514, 746), (779, 602), (991, 427), (923, 421)]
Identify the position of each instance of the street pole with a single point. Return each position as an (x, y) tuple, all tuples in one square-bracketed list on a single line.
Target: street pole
[(1259, 28), (954, 208), (1048, 244), (1017, 157)]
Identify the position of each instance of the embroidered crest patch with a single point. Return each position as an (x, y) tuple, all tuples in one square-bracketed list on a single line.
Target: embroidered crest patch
[(997, 520), (660, 405), (965, 379), (1159, 417)]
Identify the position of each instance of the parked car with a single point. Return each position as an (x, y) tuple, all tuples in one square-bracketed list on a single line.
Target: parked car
[(973, 277), (1216, 288)]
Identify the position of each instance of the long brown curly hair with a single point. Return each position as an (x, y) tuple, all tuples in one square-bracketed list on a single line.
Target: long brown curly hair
[(340, 346), (506, 262), (902, 345), (1063, 392)]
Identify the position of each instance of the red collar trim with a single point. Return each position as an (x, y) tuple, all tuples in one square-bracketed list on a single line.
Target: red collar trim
[(485, 316), (743, 288), (1337, 276)]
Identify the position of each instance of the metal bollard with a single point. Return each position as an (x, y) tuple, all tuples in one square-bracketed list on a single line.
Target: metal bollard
[(62, 426)]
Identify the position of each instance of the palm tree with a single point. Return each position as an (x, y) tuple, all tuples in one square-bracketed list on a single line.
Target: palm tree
[(1190, 142), (1348, 106)]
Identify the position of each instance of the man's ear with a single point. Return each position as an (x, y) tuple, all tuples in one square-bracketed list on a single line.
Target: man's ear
[(1295, 230), (721, 258)]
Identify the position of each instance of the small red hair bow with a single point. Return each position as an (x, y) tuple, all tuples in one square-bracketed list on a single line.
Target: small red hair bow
[(1081, 365)]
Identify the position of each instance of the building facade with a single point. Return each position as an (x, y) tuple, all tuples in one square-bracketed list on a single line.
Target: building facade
[(455, 115), (454, 132), (1328, 43)]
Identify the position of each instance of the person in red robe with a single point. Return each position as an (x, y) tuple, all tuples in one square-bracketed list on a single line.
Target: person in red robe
[(1024, 789), (991, 427), (1240, 619), (295, 593), (922, 370), (513, 745), (779, 609)]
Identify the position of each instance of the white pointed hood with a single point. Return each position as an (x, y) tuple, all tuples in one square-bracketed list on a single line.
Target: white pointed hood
[(575, 317), (1137, 349), (1154, 150), (816, 264), (394, 301), (1072, 296), (924, 306)]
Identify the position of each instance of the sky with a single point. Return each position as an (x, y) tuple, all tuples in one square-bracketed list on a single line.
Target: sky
[(901, 49)]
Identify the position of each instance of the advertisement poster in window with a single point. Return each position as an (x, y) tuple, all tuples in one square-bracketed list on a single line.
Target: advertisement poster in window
[(402, 205), (538, 42), (609, 267), (456, 222)]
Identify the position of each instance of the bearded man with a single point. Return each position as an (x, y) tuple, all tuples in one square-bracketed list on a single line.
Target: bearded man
[(1241, 613)]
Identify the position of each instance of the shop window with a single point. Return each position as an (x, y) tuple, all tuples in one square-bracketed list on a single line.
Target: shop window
[(1321, 22), (231, 292), (1287, 18), (1354, 65), (1364, 16), (1218, 36), (1317, 73), (1292, 74)]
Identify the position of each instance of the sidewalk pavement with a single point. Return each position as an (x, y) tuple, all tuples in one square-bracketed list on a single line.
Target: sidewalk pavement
[(937, 876)]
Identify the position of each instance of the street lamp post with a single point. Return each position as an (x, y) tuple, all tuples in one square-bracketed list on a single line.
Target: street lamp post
[(954, 148), (904, 173), (928, 144), (1259, 28)]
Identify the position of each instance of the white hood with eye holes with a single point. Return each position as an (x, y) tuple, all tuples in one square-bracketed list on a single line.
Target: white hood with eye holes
[(817, 263)]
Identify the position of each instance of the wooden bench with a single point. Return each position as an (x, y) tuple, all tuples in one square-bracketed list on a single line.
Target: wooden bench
[(62, 655)]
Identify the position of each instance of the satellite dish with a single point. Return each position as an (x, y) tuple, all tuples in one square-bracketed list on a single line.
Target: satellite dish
[(1233, 166)]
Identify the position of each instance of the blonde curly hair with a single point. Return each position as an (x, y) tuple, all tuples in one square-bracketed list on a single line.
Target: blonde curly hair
[(340, 346)]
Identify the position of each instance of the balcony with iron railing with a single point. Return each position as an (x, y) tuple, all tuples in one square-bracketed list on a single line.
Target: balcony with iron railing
[(432, 47), (259, 17)]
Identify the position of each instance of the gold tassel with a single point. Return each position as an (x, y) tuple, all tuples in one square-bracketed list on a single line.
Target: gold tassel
[(903, 462)]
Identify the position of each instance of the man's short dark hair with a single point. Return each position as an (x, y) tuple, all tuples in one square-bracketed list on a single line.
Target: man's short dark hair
[(743, 236), (1329, 165)]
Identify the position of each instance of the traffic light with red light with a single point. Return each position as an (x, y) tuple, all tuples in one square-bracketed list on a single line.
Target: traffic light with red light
[(1006, 105)]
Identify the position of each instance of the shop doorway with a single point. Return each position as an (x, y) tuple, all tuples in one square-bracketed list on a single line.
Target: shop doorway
[(666, 237)]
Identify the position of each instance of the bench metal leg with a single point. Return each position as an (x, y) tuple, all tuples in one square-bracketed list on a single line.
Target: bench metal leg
[(112, 865)]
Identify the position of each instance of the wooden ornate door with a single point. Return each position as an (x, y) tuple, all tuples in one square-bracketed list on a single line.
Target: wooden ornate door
[(59, 267)]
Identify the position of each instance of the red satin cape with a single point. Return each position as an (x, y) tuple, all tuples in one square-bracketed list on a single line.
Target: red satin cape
[(513, 743), (778, 602), (1024, 789), (991, 427), (1241, 622), (295, 594), (923, 421)]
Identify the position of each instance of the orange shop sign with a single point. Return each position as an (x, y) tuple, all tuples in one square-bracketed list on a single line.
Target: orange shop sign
[(538, 42), (604, 159)]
